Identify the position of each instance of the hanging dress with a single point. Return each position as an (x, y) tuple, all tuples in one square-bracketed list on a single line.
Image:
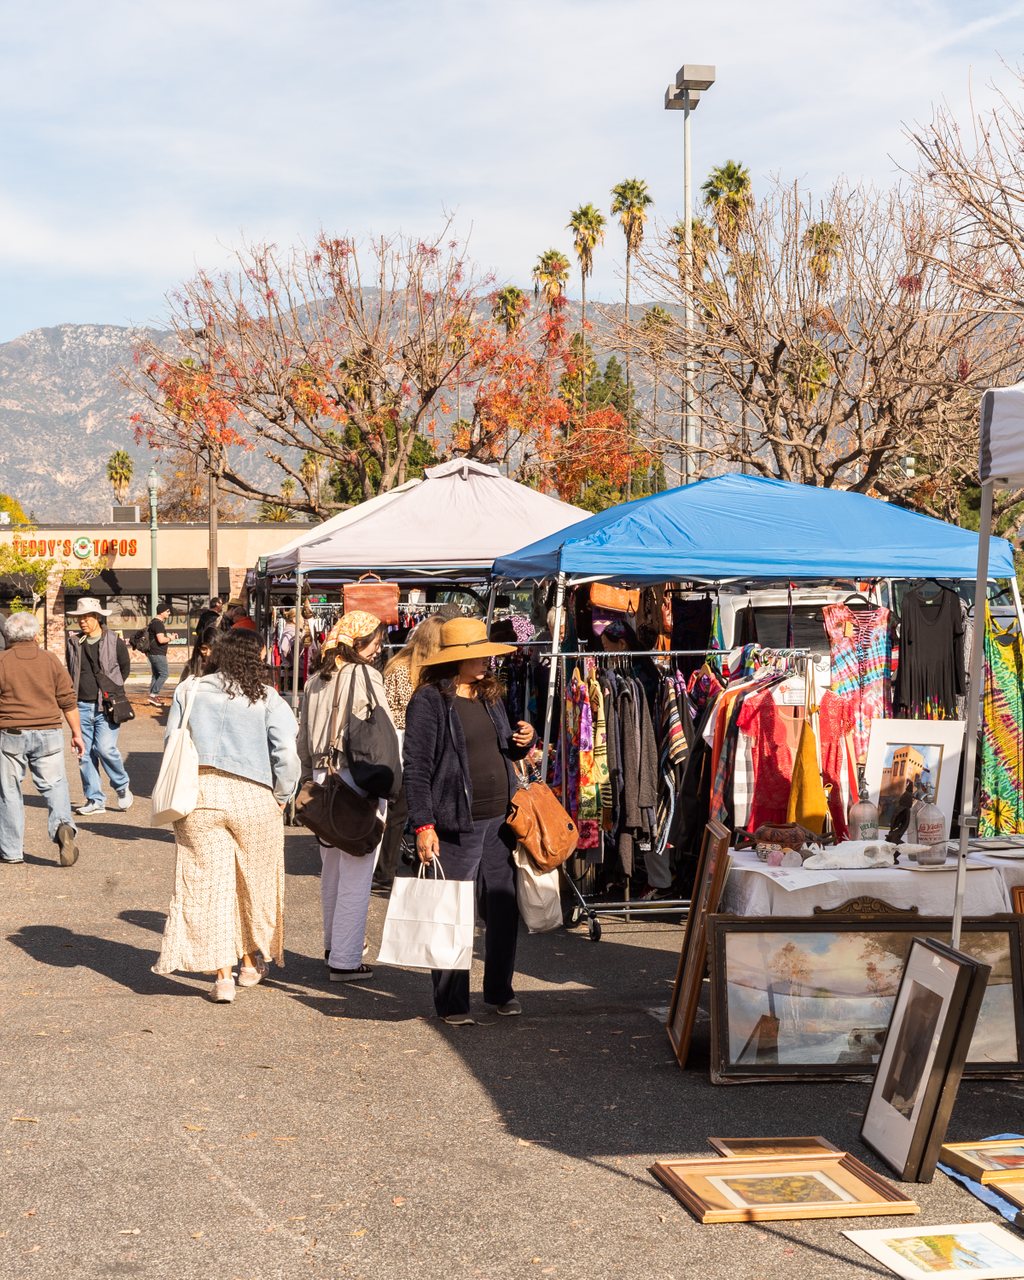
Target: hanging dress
[(1001, 808), (860, 647), (931, 674)]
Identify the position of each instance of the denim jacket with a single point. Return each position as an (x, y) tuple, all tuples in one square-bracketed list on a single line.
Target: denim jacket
[(254, 740)]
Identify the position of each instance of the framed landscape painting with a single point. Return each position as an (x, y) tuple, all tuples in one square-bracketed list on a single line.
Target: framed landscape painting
[(994, 1160), (922, 1060), (803, 997), (914, 754)]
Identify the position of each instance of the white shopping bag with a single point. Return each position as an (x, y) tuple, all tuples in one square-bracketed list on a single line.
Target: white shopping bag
[(430, 922), (540, 900), (176, 790)]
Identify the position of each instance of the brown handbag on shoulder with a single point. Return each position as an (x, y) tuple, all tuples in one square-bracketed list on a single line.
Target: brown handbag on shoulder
[(373, 595), (542, 826)]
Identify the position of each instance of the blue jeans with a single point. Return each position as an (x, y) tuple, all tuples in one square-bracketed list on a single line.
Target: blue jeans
[(41, 751), (100, 749), (158, 666)]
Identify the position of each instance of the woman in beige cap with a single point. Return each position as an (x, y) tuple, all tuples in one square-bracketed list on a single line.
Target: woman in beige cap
[(459, 781), (345, 880)]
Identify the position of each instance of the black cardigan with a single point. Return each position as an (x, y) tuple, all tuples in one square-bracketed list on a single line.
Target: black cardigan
[(435, 765)]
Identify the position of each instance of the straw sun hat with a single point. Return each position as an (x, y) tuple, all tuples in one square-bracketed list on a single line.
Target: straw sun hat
[(463, 638)]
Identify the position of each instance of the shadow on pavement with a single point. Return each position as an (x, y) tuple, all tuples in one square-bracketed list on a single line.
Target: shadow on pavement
[(153, 920), (122, 963)]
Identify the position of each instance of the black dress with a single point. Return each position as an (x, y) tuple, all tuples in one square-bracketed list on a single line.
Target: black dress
[(931, 676)]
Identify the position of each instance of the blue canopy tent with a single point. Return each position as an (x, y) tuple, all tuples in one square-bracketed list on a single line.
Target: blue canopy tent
[(739, 526), (745, 527)]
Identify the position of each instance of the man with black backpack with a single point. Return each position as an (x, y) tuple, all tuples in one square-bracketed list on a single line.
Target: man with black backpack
[(159, 642)]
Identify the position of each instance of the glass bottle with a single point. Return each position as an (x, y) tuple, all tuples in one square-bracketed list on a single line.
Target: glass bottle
[(931, 829), (863, 816)]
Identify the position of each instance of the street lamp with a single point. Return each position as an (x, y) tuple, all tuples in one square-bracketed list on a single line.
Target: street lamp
[(691, 82), (152, 483)]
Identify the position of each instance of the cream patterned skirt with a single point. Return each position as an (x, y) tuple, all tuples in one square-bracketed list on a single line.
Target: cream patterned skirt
[(228, 878)]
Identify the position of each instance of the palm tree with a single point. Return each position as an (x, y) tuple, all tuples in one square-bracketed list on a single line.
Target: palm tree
[(587, 226), (509, 305), (550, 275), (120, 469), (728, 195), (822, 241), (654, 328), (630, 202)]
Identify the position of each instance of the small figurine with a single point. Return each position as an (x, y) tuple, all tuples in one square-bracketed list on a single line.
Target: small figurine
[(901, 815)]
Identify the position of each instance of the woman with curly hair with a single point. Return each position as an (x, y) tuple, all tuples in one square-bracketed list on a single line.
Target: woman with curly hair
[(346, 683), (457, 761), (228, 902)]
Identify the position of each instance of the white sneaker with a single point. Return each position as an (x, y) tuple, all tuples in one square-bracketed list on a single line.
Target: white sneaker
[(125, 799), (93, 806)]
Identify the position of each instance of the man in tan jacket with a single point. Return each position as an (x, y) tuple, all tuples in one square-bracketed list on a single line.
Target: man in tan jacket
[(35, 690)]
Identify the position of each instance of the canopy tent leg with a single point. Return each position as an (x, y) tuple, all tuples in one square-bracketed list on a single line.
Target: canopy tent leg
[(1015, 590), (556, 640), (968, 818), (490, 605), (297, 644)]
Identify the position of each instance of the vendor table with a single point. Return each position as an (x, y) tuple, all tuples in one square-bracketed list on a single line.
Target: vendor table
[(755, 889)]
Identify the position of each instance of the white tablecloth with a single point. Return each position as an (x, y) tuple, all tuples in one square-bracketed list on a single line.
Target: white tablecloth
[(753, 889)]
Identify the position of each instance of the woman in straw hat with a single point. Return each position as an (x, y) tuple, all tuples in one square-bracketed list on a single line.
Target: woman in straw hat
[(345, 880), (457, 761)]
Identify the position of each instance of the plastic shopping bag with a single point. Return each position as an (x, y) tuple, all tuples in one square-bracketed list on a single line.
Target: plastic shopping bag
[(430, 922), (540, 901)]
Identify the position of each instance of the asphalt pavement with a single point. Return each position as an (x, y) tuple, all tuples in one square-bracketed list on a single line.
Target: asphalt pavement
[(310, 1130)]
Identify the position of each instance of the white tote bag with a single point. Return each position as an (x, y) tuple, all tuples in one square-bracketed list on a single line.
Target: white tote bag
[(430, 922), (176, 792), (540, 900)]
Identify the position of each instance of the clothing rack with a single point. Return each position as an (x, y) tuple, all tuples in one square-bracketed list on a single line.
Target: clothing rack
[(628, 909)]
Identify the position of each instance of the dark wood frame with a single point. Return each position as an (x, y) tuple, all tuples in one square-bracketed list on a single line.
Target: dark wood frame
[(725, 1072), (959, 1018), (712, 870), (882, 1197), (1018, 899)]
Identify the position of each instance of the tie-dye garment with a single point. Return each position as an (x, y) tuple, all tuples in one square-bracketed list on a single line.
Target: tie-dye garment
[(1001, 810), (861, 648)]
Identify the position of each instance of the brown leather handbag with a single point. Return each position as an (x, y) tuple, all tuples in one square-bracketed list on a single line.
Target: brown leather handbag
[(373, 595), (542, 826), (616, 599)]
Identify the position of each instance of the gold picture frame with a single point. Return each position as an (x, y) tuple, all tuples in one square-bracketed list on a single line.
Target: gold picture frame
[(994, 1160), (747, 1147), (828, 1184)]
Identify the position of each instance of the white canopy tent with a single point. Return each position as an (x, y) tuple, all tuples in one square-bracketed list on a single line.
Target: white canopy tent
[(450, 526), (1001, 465)]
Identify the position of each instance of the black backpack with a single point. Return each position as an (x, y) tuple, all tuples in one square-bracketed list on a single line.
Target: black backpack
[(141, 640)]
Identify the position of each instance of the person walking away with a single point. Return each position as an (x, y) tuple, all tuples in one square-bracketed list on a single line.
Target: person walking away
[(98, 662), (210, 616), (459, 781), (228, 902), (159, 642), (401, 677), (35, 691), (345, 880)]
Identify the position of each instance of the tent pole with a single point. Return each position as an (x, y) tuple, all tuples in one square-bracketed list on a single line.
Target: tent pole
[(1015, 590), (297, 644), (968, 818), (556, 639), (490, 605)]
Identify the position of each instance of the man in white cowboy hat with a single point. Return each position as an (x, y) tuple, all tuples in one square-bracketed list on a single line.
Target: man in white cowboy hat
[(98, 663), (34, 692)]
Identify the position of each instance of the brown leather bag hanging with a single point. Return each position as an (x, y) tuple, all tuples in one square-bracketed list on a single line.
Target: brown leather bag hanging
[(542, 826), (617, 599), (373, 595)]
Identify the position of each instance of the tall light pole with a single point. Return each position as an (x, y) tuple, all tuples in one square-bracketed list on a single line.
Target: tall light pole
[(691, 82), (152, 483)]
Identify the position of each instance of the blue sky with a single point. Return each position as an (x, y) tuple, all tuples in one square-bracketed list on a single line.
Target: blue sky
[(142, 142)]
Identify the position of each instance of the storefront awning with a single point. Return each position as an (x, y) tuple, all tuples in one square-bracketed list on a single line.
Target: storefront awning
[(172, 582)]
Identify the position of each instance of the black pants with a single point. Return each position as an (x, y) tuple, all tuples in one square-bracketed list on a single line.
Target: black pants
[(387, 863), (483, 855)]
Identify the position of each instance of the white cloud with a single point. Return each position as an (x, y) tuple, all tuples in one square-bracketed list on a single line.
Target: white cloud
[(155, 137)]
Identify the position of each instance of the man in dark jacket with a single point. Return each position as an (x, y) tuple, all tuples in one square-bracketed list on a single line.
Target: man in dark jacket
[(98, 663), (34, 692)]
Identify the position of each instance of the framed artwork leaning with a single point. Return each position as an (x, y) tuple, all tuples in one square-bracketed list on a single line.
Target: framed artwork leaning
[(923, 1057), (1018, 899), (914, 754), (952, 1251), (771, 1146), (712, 870), (828, 1184), (810, 997), (994, 1160)]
